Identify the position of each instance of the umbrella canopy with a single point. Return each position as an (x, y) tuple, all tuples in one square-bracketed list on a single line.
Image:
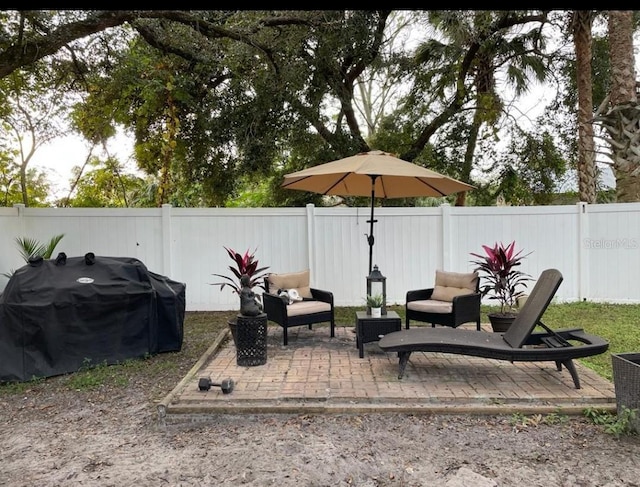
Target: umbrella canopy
[(374, 173)]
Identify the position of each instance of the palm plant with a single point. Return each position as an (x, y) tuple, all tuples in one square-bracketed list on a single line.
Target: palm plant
[(30, 248)]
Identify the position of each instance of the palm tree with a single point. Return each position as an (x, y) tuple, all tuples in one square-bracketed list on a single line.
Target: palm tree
[(622, 120), (581, 22), (481, 43)]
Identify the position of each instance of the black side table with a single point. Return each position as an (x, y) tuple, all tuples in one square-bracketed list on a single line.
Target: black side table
[(370, 329)]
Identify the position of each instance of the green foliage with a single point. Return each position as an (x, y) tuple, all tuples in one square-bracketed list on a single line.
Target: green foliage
[(106, 185), (89, 376), (217, 112), (10, 189), (30, 247), (20, 387), (616, 425), (375, 300)]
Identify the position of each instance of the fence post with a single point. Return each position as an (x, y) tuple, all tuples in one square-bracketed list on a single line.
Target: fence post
[(20, 207), (311, 239), (583, 257), (445, 235), (166, 240)]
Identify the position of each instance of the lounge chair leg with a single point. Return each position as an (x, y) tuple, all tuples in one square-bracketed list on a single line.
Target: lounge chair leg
[(574, 373), (404, 358)]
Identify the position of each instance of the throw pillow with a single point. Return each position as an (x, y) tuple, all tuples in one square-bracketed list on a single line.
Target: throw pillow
[(451, 284), (292, 280)]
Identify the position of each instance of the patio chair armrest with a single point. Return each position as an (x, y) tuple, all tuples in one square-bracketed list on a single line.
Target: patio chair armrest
[(275, 307), (419, 294), (321, 295), (467, 307)]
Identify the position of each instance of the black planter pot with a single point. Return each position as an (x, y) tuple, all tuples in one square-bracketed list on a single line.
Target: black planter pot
[(501, 322), (232, 326), (250, 338)]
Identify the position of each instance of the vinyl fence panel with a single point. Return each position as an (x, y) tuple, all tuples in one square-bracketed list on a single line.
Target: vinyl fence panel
[(596, 247)]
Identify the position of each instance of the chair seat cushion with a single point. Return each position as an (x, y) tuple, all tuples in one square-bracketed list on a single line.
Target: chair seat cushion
[(292, 280), (307, 308), (431, 306)]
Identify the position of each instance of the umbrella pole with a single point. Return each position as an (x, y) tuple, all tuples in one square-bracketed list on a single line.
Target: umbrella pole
[(370, 238)]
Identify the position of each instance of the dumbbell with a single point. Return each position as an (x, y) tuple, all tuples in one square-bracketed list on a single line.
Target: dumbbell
[(205, 383)]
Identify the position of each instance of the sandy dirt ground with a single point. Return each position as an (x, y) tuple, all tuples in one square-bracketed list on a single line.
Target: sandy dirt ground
[(114, 438)]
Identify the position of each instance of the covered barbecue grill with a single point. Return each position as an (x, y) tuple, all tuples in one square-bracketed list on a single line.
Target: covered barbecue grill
[(59, 315)]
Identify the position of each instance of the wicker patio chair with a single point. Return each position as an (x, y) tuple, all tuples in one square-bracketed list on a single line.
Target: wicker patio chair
[(314, 306), (454, 300)]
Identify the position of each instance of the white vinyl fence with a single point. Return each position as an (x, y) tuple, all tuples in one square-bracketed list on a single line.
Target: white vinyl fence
[(596, 247)]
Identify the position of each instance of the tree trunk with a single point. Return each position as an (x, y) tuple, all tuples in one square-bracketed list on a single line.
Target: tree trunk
[(622, 122), (582, 41)]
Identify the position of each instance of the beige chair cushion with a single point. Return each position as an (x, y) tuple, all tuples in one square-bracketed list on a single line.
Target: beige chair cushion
[(451, 284), (431, 306), (292, 280), (307, 308)]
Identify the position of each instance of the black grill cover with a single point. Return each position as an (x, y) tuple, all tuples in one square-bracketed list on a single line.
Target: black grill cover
[(57, 316)]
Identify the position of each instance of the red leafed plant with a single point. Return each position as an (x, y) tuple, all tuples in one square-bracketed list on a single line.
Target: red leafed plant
[(504, 283), (244, 264)]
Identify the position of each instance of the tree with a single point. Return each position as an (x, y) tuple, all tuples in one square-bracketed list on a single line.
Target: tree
[(34, 107), (480, 45), (581, 22), (10, 185), (222, 99), (104, 186), (622, 120)]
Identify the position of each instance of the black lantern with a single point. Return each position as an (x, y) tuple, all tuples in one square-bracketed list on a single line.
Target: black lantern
[(377, 285)]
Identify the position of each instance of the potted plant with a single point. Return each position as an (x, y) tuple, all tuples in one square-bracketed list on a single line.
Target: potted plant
[(503, 282), (245, 273), (244, 264), (375, 302)]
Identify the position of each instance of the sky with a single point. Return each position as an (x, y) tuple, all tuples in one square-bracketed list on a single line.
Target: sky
[(58, 158)]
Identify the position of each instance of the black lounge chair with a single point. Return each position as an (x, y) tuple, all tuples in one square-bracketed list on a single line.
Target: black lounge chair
[(518, 344)]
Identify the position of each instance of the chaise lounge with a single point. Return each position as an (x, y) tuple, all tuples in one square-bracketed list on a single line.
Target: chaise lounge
[(518, 344)]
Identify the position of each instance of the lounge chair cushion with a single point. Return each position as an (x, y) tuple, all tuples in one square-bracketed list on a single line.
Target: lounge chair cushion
[(448, 285), (292, 280)]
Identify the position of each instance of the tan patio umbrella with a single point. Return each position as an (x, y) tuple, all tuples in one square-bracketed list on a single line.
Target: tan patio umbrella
[(374, 173)]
